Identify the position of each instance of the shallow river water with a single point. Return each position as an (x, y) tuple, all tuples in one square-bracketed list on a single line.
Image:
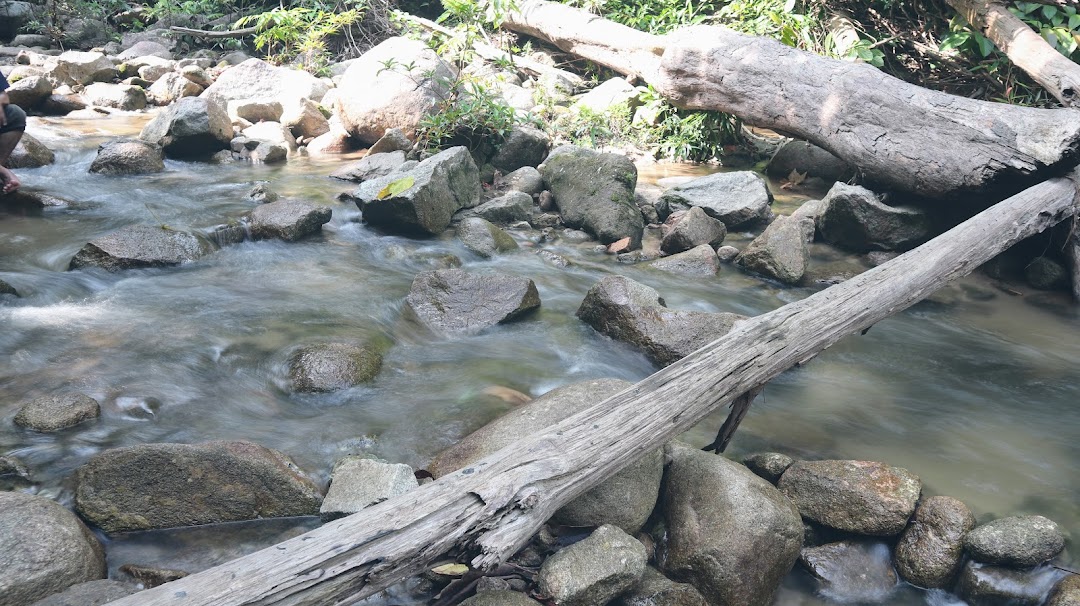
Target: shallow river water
[(976, 392)]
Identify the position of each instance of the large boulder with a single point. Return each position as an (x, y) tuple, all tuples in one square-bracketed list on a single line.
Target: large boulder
[(124, 97), (191, 127), (436, 188), (594, 570), (460, 302), (357, 482), (75, 67), (852, 572), (931, 549), (625, 500), (700, 261), (254, 110), (257, 79), (140, 246), (734, 198), (1020, 541), (633, 313), (30, 153), (654, 589), (303, 118), (169, 485), (508, 208), (90, 593), (781, 251), (331, 366), (860, 497), (685, 230), (288, 220), (595, 192), (30, 91), (854, 218), (808, 159), (524, 146), (484, 238), (393, 85), (729, 533), (172, 86), (44, 549), (53, 413), (128, 157), (14, 15)]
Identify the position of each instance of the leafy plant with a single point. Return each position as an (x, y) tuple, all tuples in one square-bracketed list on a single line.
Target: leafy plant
[(299, 32)]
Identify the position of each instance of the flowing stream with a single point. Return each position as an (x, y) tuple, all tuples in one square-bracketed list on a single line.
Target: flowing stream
[(976, 391)]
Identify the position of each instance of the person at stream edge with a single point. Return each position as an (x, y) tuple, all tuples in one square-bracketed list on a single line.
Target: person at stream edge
[(12, 125)]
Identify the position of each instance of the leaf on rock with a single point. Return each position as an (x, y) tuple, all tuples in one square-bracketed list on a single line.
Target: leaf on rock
[(451, 570), (395, 187)]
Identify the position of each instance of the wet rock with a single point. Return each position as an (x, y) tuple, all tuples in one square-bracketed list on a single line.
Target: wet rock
[(633, 313), (288, 220), (374, 98), (514, 206), (460, 302), (723, 521), (271, 132), (1066, 592), (698, 261), (30, 153), (594, 570), (32, 199), (191, 127), (851, 571), (74, 67), (358, 482), (524, 146), (484, 238), (90, 593), (781, 251), (440, 186), (169, 485), (53, 413), (254, 110), (28, 92), (138, 246), (654, 589), (172, 86), (733, 198), (61, 105), (151, 576), (1045, 273), (595, 192), (854, 218), (1021, 541), (128, 157), (931, 549), (727, 254), (257, 79), (123, 97), (332, 366), (371, 166), (862, 497), (500, 598), (7, 289), (11, 466), (768, 465), (690, 229), (393, 140), (985, 585), (626, 499), (809, 159), (554, 258), (303, 118), (44, 549)]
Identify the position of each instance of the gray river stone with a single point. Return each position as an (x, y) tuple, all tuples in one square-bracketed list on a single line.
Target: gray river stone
[(90, 593), (1045, 273), (7, 289), (152, 576), (861, 497), (138, 246), (29, 91), (525, 179), (128, 157), (324, 367), (1021, 541), (699, 261), (371, 166), (852, 571), (768, 465), (170, 485), (44, 549), (524, 146), (654, 589), (854, 218), (191, 127), (500, 598), (1066, 592), (595, 570), (781, 251), (53, 413), (633, 313), (625, 499), (393, 140), (508, 208), (30, 153), (986, 585), (288, 220), (808, 159), (692, 228), (484, 238), (438, 187), (735, 198), (595, 192), (931, 549), (730, 533), (461, 302), (357, 482)]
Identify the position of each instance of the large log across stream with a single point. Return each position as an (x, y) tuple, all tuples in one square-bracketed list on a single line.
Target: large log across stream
[(491, 509), (899, 136)]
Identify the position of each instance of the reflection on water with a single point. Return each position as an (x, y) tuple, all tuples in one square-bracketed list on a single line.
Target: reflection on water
[(976, 396)]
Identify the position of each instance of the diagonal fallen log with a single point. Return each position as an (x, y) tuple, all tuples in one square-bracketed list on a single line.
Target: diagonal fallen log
[(897, 135), (492, 508)]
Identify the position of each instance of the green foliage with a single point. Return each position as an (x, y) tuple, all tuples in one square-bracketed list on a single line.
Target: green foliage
[(1058, 25), (657, 17), (300, 32), (211, 9), (471, 115)]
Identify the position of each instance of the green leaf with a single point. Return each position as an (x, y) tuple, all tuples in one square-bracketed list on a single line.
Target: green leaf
[(1074, 21), (985, 46), (1049, 12), (395, 187)]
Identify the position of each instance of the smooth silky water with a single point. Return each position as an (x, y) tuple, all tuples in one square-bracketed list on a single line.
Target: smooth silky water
[(977, 392)]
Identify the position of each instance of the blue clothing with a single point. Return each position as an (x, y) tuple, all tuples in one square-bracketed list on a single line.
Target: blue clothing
[(14, 116), (3, 83)]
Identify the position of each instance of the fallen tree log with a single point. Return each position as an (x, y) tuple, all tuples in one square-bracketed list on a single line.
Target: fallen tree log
[(492, 508), (897, 135)]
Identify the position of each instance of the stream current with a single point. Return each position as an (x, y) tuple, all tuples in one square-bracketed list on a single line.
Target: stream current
[(976, 392)]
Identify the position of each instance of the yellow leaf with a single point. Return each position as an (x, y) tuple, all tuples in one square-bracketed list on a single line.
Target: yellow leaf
[(451, 570), (394, 188), (796, 177)]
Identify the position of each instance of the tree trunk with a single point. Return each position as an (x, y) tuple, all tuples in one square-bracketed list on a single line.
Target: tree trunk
[(897, 135), (1024, 47), (493, 507)]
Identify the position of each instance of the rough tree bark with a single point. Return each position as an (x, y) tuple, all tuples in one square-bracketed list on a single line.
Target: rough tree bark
[(490, 509), (1024, 47), (898, 135)]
